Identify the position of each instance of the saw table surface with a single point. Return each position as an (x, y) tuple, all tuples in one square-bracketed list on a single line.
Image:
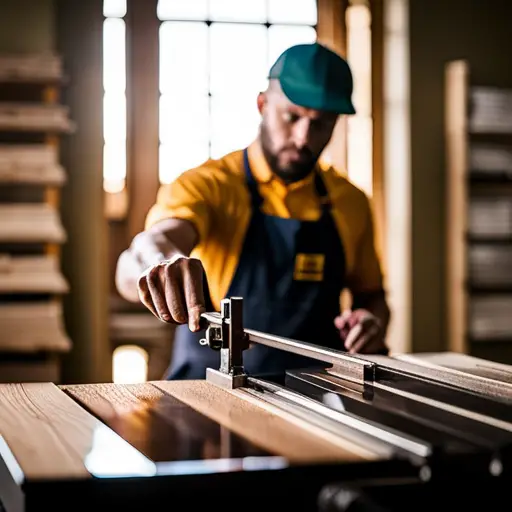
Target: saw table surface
[(136, 446), (51, 435)]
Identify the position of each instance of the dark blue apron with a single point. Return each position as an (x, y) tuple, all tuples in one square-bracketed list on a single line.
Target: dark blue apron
[(275, 301)]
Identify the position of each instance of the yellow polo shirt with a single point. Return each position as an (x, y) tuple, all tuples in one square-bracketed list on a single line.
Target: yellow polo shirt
[(215, 198)]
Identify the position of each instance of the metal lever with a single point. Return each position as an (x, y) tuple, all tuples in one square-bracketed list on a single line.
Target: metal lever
[(231, 340)]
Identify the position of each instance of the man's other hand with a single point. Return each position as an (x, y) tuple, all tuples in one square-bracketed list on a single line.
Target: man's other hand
[(361, 332)]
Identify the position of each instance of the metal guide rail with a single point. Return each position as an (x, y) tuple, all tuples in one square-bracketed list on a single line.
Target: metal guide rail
[(226, 333)]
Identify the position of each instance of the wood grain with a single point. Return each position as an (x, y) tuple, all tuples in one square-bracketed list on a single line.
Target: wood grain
[(262, 424), (47, 432), (111, 400)]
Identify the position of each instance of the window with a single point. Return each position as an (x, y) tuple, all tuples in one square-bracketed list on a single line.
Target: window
[(114, 105), (129, 365), (214, 59)]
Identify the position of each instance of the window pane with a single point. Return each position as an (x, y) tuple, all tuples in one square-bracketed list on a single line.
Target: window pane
[(114, 117), (114, 55), (238, 10), (178, 157), (292, 11), (183, 57), (359, 55), (238, 57), (234, 123), (114, 8), (359, 164), (182, 9), (281, 37), (183, 118), (114, 161)]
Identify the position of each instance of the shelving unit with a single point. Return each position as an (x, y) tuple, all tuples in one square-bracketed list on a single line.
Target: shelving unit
[(479, 216), (32, 329)]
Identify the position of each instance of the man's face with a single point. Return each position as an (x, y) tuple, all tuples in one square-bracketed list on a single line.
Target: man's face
[(292, 137)]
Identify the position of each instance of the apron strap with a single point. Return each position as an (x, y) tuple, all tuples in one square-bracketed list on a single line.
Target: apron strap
[(322, 192), (252, 184)]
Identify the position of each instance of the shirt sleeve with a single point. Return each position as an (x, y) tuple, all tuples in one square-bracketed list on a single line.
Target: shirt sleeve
[(187, 198), (367, 273)]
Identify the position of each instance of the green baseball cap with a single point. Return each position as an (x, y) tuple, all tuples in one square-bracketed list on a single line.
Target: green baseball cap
[(313, 76)]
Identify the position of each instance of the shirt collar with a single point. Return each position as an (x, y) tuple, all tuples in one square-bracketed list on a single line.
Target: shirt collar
[(263, 174)]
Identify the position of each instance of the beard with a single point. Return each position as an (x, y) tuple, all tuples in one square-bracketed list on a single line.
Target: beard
[(293, 171)]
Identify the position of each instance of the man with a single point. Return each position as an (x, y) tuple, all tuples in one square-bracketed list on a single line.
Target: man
[(270, 225)]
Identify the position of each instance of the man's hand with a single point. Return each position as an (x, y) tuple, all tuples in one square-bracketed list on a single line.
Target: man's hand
[(173, 291), (157, 270), (361, 332)]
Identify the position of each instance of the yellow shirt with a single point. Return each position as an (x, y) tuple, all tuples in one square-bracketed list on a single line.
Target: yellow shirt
[(215, 198)]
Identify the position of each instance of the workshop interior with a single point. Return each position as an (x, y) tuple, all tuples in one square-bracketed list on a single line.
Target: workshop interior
[(103, 102)]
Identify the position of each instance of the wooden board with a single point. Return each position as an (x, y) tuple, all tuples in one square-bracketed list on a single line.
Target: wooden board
[(48, 434), (47, 175), (30, 68), (31, 274), (32, 327), (30, 223), (34, 117), (31, 164), (28, 155), (264, 425)]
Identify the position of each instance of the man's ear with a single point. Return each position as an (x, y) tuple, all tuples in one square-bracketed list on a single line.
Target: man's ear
[(262, 101)]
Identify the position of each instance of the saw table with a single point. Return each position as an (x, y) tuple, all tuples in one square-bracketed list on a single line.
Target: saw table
[(372, 433)]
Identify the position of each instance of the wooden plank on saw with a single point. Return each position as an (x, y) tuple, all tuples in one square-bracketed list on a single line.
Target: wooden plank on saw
[(264, 425)]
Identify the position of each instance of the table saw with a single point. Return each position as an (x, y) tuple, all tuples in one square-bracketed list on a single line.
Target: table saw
[(360, 432)]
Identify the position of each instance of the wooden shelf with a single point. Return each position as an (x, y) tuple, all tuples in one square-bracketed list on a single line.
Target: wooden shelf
[(30, 275), (32, 327), (478, 132), (30, 223)]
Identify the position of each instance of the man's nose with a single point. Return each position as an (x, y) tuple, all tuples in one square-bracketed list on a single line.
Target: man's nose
[(301, 132)]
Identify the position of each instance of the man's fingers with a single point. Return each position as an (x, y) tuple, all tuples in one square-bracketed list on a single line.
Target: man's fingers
[(352, 336), (174, 294), (342, 322), (192, 273), (156, 289), (173, 291), (145, 295), (369, 337)]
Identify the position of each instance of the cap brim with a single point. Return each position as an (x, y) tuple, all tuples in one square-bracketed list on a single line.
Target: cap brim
[(314, 98)]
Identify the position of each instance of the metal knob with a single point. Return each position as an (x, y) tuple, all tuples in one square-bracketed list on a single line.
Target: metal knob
[(213, 338)]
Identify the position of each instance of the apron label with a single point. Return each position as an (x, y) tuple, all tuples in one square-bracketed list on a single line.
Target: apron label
[(309, 267)]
